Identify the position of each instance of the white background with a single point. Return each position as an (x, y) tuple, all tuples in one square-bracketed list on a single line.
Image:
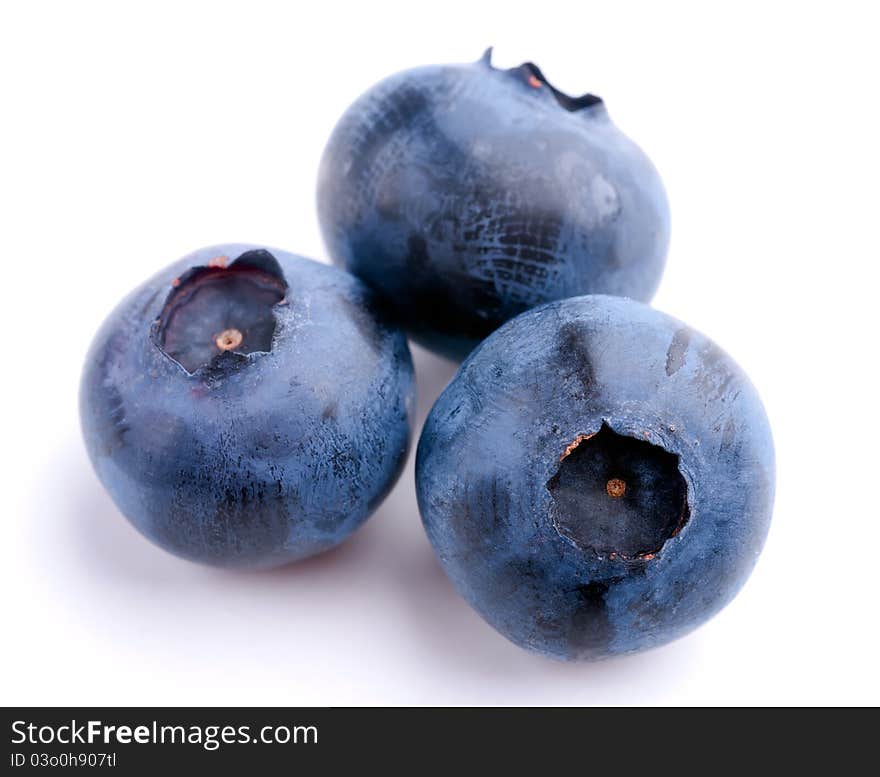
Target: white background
[(132, 133)]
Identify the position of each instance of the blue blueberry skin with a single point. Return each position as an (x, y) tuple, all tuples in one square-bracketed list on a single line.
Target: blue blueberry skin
[(467, 194), (597, 479), (262, 454)]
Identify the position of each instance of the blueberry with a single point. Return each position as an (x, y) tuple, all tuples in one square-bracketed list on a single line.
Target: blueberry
[(597, 479), (247, 407), (467, 194)]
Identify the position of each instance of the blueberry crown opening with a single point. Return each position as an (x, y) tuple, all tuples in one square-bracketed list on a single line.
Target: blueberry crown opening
[(618, 496), (221, 308), (536, 79), (531, 74)]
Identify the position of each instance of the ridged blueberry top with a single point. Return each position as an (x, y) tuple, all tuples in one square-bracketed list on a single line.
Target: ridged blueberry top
[(493, 444), (466, 194), (313, 429)]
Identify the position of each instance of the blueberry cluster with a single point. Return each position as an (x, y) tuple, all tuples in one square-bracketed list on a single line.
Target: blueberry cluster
[(596, 479)]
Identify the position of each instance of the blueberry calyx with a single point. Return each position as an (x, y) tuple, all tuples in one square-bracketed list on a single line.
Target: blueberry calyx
[(618, 496), (531, 74), (222, 312)]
